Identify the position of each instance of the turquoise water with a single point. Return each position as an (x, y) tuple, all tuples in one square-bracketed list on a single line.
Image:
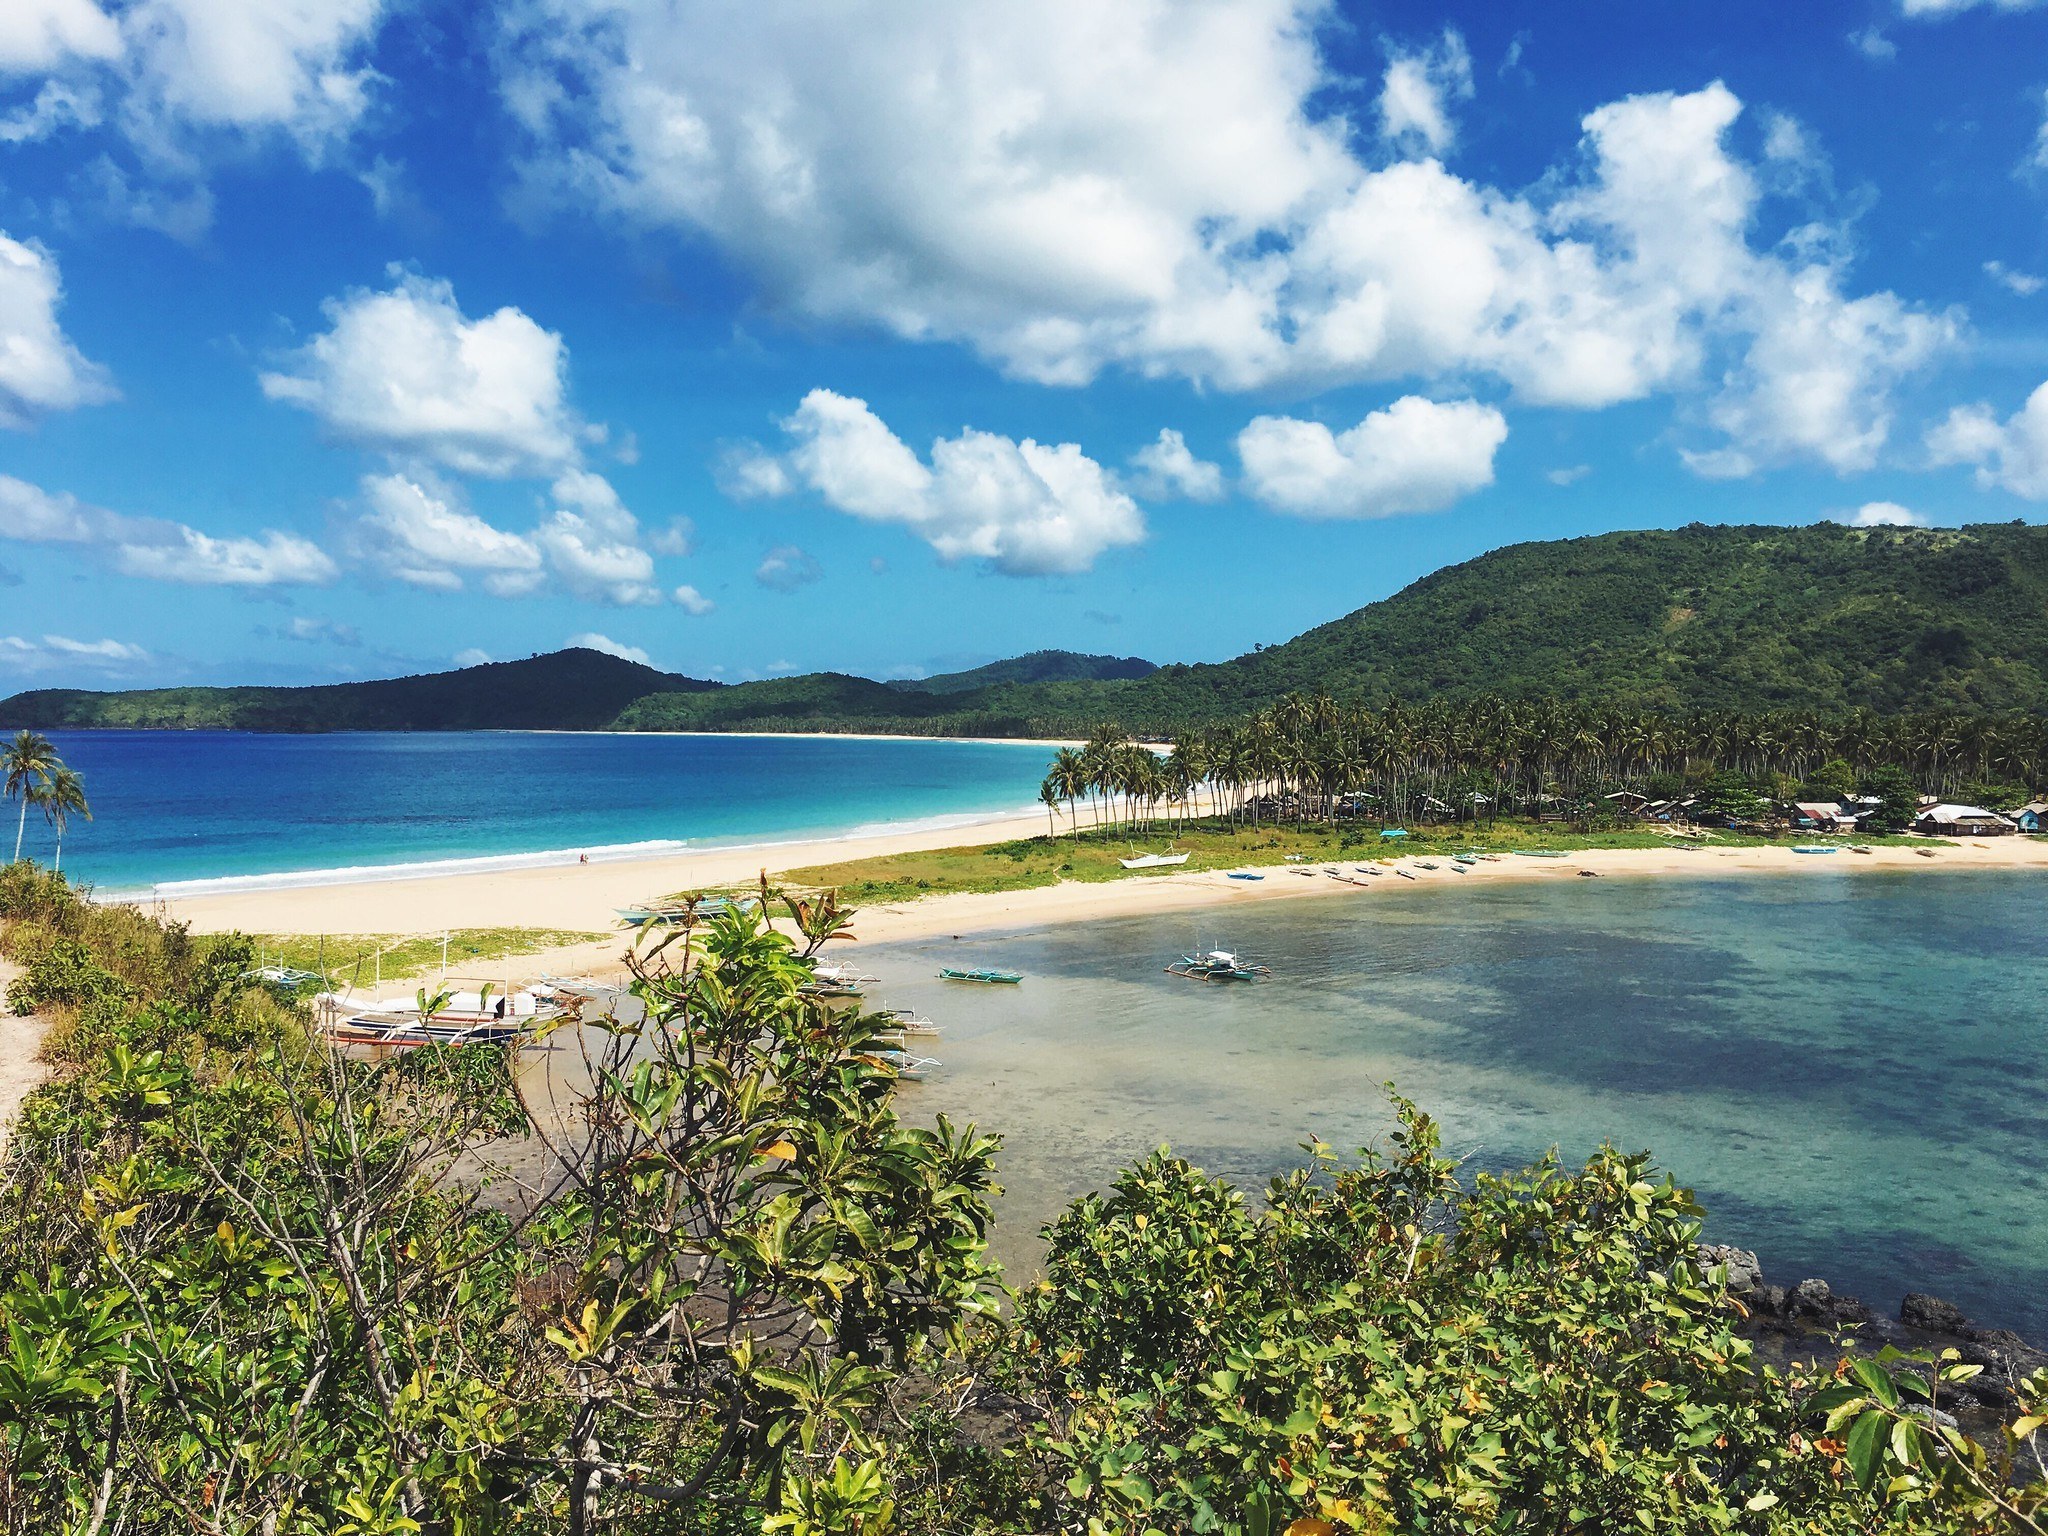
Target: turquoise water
[(1850, 1068), (236, 808)]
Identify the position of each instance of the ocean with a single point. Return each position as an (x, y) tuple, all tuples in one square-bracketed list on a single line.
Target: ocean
[(1849, 1067), (223, 810)]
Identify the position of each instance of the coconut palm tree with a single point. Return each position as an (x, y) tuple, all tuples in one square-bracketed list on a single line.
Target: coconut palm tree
[(26, 765), (1049, 797), (60, 799)]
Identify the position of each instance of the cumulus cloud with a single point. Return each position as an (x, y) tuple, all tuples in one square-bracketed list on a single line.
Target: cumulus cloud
[(38, 35), (592, 543), (2010, 455), (419, 534), (405, 372), (1417, 455), (472, 656), (1873, 44), (678, 538), (786, 567), (610, 647), (60, 652), (40, 369), (1070, 187), (1938, 8), (180, 74), (1167, 467), (312, 631), (1028, 508), (749, 472), (1418, 91), (1570, 474), (1886, 514), (193, 558), (693, 602), (157, 548)]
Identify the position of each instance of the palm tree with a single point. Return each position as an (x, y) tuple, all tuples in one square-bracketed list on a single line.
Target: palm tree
[(26, 766), (61, 798), (1048, 796)]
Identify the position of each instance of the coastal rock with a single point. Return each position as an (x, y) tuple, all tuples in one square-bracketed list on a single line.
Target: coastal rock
[(1809, 1298), (1744, 1272), (1932, 1314)]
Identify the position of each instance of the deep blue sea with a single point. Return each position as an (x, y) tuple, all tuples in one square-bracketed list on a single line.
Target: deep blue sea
[(177, 806)]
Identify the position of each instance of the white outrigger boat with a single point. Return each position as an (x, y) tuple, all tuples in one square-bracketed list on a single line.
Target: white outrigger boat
[(1216, 965), (464, 1018), (1153, 860)]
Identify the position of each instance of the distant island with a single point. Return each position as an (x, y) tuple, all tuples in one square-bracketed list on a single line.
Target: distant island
[(1818, 618)]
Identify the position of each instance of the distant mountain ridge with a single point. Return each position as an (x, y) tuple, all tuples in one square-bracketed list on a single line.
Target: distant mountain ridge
[(1816, 617), (572, 690)]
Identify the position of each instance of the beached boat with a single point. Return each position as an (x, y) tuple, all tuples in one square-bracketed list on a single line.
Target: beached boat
[(1425, 864), (829, 990), (1216, 965), (979, 973), (1388, 834), (1540, 853), (1306, 874), (667, 914), (1404, 874), (1239, 874), (1461, 869), (1368, 869), (288, 977), (1465, 858), (1925, 853), (1858, 848), (835, 973), (1815, 848), (464, 1018), (1153, 860), (1589, 874)]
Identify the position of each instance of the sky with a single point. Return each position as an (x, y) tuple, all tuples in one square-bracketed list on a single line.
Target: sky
[(346, 338)]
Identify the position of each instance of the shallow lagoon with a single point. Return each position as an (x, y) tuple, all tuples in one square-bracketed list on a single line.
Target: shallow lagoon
[(1849, 1067)]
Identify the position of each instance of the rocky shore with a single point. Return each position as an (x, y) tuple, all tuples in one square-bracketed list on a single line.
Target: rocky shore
[(1805, 1321)]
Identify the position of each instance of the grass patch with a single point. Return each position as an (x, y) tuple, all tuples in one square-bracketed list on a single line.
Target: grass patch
[(1092, 855), (355, 956)]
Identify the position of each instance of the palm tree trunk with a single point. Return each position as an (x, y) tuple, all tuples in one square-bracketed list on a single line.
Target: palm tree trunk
[(20, 827)]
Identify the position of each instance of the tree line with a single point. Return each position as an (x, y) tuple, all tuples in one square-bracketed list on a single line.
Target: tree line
[(1490, 756)]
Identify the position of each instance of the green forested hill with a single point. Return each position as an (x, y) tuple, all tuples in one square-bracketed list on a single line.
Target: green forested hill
[(567, 690), (1819, 617), (1751, 618), (1035, 667)]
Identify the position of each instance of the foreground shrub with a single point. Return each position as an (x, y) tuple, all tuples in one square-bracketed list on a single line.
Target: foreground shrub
[(1382, 1350)]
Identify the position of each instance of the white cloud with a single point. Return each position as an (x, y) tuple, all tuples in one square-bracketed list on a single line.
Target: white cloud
[(749, 472), (610, 647), (1940, 8), (193, 558), (54, 652), (786, 567), (678, 538), (1028, 508), (1873, 44), (2025, 284), (1416, 95), (593, 543), (1570, 474), (693, 602), (37, 35), (40, 370), (1070, 187), (312, 631), (1417, 455), (2010, 455), (1886, 514), (158, 549), (418, 534), (1167, 468), (472, 656), (407, 373)]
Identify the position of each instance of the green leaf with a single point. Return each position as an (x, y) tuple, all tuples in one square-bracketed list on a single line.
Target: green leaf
[(1866, 1446), (1877, 1381)]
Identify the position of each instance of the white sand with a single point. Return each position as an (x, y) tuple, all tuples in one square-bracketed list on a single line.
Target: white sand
[(584, 897), (21, 1072)]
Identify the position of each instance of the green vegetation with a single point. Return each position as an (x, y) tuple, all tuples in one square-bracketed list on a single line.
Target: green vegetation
[(1033, 667), (252, 1288), (1818, 619), (568, 690), (357, 957)]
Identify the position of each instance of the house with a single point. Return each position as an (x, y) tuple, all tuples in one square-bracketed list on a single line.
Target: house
[(1962, 821), (1817, 816), (1627, 802), (2031, 817)]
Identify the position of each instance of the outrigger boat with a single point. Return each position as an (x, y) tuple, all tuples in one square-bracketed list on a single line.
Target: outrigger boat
[(672, 912), (1240, 874), (1216, 965), (904, 1063), (1539, 853), (1368, 869), (288, 977), (1153, 860), (980, 973), (1424, 864), (467, 1018), (904, 1022), (1814, 848), (1858, 848)]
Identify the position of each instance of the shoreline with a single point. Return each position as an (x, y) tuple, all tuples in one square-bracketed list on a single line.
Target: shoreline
[(584, 897)]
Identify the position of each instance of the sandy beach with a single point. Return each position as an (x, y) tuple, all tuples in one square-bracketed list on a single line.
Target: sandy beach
[(584, 897)]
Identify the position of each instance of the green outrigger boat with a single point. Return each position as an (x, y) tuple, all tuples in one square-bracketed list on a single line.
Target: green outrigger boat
[(979, 973)]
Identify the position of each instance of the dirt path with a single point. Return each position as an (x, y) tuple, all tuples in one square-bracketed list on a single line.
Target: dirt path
[(21, 1070)]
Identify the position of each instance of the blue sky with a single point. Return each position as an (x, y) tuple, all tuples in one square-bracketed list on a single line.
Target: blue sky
[(353, 337)]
